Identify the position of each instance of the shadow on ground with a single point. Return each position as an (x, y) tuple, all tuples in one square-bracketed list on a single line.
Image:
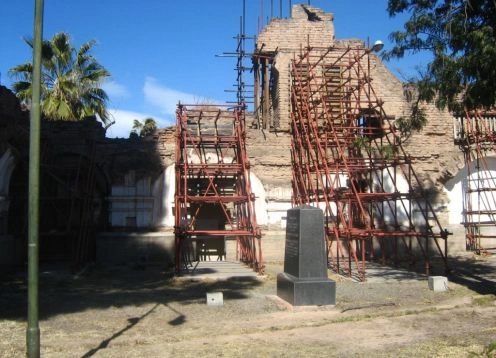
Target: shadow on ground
[(120, 286), (104, 286), (477, 273), (131, 323)]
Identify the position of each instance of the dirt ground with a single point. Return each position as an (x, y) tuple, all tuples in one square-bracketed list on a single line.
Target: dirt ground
[(142, 311)]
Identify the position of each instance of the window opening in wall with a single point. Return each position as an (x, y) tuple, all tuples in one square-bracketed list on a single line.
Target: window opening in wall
[(370, 124)]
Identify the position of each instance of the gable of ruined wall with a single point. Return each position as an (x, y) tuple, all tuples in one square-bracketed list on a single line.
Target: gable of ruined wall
[(388, 88), (307, 25)]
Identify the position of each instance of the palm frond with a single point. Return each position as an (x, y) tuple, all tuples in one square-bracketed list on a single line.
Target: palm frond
[(71, 80), (22, 72)]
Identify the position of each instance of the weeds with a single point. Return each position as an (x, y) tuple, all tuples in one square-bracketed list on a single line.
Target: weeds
[(484, 300), (489, 351)]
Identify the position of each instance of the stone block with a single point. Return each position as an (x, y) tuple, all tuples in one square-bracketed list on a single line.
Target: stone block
[(438, 283), (215, 299), (306, 292)]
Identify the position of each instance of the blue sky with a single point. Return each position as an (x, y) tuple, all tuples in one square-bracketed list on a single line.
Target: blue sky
[(160, 52)]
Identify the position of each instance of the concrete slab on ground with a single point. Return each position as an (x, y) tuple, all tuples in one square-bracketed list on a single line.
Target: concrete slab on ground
[(218, 270)]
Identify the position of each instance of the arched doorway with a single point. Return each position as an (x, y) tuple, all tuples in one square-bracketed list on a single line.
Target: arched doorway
[(72, 207), (472, 198)]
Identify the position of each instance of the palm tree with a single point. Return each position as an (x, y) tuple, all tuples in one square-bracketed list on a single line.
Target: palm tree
[(143, 129), (136, 130), (71, 81), (149, 126)]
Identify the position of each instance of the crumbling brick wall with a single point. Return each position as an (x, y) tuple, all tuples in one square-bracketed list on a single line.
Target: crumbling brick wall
[(433, 153), (307, 26)]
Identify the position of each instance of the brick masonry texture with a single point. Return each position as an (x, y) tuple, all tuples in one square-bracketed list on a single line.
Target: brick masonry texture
[(434, 155)]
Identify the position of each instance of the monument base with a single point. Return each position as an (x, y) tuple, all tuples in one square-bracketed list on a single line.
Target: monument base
[(306, 292)]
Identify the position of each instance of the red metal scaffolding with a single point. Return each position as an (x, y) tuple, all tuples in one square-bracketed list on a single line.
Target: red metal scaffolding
[(475, 134), (348, 160), (213, 198)]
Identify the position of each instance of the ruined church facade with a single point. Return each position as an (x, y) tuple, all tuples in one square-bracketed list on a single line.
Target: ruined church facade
[(134, 178)]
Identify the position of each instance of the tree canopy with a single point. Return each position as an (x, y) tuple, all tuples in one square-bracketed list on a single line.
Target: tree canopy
[(460, 34), (71, 81), (143, 129)]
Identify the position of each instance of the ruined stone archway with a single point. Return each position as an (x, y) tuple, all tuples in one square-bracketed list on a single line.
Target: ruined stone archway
[(471, 190)]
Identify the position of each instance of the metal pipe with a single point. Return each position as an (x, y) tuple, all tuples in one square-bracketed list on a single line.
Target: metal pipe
[(33, 329), (213, 182), (244, 18), (325, 133)]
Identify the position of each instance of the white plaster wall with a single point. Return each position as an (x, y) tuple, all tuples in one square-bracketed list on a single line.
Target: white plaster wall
[(400, 208), (273, 212), (132, 201), (165, 186), (163, 193), (258, 190), (276, 212), (456, 186)]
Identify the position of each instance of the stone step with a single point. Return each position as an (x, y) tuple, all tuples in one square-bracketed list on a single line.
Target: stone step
[(218, 270)]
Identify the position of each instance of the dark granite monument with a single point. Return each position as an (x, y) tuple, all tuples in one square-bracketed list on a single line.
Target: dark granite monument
[(304, 280)]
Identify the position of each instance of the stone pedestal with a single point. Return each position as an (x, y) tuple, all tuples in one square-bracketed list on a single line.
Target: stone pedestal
[(304, 280)]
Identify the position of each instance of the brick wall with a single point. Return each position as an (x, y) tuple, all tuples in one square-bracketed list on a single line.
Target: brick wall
[(307, 26), (433, 152)]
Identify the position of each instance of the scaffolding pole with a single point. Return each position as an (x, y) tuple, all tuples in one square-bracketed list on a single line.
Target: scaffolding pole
[(474, 133), (348, 160), (213, 198)]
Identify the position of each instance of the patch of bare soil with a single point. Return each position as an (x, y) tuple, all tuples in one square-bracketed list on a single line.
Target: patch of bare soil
[(142, 311)]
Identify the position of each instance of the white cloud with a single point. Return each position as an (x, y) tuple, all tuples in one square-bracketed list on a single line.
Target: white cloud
[(115, 90), (166, 99), (160, 99), (124, 122)]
